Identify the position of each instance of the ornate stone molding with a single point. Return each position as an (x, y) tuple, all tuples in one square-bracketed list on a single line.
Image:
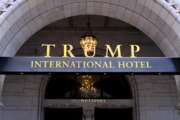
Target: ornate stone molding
[(173, 6), (5, 5)]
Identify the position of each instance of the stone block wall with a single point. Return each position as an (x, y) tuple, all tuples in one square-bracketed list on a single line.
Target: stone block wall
[(20, 98), (156, 97)]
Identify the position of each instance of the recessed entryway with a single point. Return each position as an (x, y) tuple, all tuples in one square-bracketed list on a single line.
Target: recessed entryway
[(88, 97)]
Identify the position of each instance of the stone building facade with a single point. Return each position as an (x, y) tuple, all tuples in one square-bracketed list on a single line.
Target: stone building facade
[(154, 24)]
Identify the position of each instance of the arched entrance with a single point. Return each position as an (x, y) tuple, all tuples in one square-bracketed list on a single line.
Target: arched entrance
[(24, 18), (102, 28), (89, 97), (27, 17)]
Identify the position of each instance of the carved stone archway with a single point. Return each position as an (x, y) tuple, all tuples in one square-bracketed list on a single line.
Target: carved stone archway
[(29, 16)]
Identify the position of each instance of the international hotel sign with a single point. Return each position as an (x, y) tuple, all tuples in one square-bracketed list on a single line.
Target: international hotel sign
[(140, 65), (90, 63), (112, 62)]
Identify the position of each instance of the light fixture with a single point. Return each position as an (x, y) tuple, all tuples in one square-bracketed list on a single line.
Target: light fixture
[(88, 41), (87, 85)]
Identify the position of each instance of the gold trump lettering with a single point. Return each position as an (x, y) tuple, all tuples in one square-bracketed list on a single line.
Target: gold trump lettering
[(90, 51), (117, 51), (48, 49)]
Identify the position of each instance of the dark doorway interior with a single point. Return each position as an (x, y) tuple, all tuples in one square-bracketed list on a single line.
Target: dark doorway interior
[(113, 114), (63, 114), (108, 87)]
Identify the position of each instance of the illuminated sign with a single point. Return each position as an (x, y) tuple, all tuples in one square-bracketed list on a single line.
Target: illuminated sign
[(90, 63), (112, 62), (90, 50), (140, 65)]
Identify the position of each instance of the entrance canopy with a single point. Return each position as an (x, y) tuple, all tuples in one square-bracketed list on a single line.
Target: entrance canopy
[(39, 65)]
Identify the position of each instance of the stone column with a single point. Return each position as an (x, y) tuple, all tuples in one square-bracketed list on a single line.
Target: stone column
[(2, 77), (88, 113), (177, 78)]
